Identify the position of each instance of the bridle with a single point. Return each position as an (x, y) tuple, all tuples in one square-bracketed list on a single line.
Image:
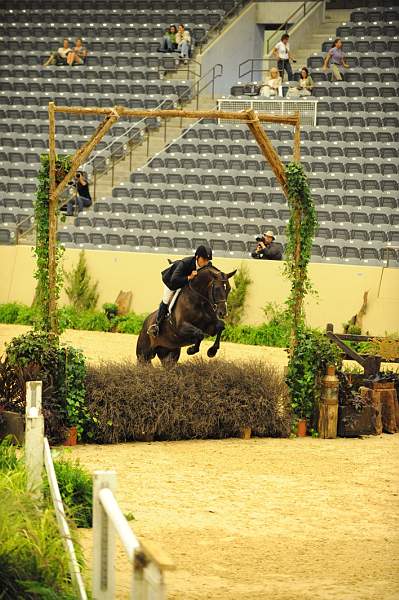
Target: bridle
[(210, 298)]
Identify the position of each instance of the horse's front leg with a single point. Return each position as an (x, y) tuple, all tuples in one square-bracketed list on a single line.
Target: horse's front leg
[(192, 335), (212, 351)]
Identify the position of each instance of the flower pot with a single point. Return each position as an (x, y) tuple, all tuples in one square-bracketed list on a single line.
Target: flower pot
[(301, 428), (72, 437), (246, 433)]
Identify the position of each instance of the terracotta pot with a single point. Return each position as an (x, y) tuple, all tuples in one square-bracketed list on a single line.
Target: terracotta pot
[(301, 428), (72, 437)]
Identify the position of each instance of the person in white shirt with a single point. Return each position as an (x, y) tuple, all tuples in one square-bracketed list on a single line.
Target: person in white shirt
[(59, 57), (183, 41), (284, 56)]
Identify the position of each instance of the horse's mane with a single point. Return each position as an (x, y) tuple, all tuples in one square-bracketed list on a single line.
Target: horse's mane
[(211, 269)]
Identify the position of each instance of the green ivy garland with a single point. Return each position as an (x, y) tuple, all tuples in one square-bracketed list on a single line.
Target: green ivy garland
[(300, 233), (63, 165)]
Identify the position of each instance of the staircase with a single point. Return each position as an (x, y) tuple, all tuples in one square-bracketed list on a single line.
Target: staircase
[(313, 43)]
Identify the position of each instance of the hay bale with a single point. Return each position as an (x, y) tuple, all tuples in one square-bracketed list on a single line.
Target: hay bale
[(196, 399)]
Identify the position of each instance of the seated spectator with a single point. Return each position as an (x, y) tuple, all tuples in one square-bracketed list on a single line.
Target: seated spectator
[(82, 198), (272, 86), (59, 57), (267, 249), (336, 59), (78, 55), (169, 40), (304, 87), (183, 41)]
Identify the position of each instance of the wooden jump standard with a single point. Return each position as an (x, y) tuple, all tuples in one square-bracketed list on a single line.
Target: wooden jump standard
[(111, 116)]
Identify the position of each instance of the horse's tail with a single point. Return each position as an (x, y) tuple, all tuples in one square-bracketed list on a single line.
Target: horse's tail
[(144, 350)]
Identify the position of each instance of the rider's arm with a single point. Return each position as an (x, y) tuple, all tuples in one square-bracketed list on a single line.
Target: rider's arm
[(179, 278)]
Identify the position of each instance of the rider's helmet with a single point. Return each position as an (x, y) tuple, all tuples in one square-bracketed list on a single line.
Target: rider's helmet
[(203, 252)]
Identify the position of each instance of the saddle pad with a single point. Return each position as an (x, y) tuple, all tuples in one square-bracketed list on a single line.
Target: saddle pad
[(173, 301)]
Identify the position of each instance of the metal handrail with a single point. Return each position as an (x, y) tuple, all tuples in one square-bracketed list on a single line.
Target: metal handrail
[(252, 69), (217, 71), (285, 25)]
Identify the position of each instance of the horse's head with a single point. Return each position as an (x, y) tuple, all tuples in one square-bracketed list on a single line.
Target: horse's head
[(216, 286)]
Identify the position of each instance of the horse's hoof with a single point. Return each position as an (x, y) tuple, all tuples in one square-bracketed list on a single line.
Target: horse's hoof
[(212, 352), (192, 350)]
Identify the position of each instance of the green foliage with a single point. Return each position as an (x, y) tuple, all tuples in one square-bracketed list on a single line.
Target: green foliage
[(9, 312), (300, 229), (130, 323), (237, 296), (111, 310), (309, 359), (34, 564), (82, 293), (43, 317), (63, 369), (76, 489)]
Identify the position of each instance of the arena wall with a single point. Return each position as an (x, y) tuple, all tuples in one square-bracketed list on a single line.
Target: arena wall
[(340, 287)]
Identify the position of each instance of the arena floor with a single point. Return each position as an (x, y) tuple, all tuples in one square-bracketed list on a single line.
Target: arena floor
[(281, 519), (292, 519)]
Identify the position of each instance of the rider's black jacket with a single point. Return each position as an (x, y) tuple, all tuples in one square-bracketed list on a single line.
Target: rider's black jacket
[(175, 276)]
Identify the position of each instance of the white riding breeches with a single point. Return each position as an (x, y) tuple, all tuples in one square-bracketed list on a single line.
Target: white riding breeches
[(167, 294)]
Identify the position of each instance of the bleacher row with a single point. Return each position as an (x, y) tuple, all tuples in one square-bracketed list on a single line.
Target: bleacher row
[(212, 184)]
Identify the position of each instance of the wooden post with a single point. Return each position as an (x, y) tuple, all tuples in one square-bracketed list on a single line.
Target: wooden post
[(104, 540), (52, 226), (328, 408), (34, 434), (267, 147)]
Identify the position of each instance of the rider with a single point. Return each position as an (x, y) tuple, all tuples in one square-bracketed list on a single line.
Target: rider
[(178, 275)]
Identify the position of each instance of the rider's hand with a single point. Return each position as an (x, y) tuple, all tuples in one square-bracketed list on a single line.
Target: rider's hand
[(193, 274)]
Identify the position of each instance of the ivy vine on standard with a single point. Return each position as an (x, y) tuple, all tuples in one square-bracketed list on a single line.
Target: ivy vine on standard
[(63, 165)]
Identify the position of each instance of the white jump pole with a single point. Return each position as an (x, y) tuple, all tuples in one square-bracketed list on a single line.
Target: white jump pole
[(104, 539), (34, 435)]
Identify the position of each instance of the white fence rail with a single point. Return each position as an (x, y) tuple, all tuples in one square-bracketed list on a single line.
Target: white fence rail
[(306, 108), (38, 453), (147, 564)]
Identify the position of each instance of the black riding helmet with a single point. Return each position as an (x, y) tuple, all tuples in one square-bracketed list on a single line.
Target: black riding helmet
[(203, 252)]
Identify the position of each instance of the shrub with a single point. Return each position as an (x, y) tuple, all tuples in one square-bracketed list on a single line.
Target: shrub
[(91, 320), (110, 309), (130, 323), (196, 399), (38, 356), (76, 489), (9, 312), (33, 560), (82, 293), (237, 296)]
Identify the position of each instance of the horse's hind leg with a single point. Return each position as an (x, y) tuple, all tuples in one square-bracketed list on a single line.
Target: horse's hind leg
[(168, 357)]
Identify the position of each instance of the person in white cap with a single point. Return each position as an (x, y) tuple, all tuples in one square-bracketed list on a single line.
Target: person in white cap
[(267, 249)]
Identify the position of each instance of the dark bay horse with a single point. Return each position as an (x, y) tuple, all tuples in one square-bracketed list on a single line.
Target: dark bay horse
[(197, 313)]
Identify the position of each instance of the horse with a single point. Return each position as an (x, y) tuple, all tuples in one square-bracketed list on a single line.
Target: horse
[(198, 312)]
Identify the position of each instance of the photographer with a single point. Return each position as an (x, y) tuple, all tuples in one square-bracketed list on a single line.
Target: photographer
[(82, 198), (266, 248)]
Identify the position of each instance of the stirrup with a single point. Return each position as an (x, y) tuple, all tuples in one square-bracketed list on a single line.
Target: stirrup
[(153, 330)]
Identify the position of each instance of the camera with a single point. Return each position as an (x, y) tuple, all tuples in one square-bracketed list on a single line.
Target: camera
[(259, 239)]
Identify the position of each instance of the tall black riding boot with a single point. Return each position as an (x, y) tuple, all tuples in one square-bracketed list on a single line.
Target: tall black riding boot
[(156, 327)]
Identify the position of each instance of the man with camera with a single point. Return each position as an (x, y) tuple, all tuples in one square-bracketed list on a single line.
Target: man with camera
[(266, 248), (81, 198)]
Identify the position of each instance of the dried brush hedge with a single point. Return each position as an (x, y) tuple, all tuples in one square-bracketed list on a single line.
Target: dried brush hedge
[(196, 399)]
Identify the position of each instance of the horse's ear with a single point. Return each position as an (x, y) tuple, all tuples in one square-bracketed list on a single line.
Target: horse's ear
[(228, 275), (170, 261)]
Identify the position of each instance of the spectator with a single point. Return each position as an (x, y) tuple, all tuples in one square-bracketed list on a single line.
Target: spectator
[(304, 87), (267, 249), (169, 40), (59, 57), (272, 86), (78, 54), (336, 58), (183, 41), (284, 56), (82, 198)]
